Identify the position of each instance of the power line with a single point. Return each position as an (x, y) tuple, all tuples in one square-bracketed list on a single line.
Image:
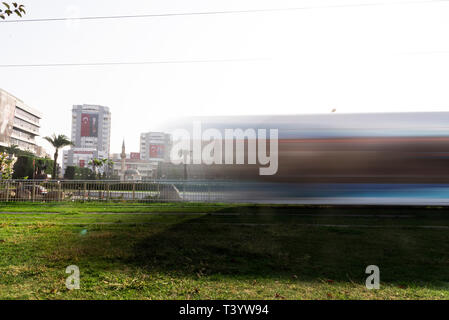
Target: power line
[(126, 63), (157, 15)]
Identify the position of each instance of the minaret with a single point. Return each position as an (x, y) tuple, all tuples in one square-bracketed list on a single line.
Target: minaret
[(123, 157)]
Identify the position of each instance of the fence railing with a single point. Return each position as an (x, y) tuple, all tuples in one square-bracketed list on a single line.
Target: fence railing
[(106, 190)]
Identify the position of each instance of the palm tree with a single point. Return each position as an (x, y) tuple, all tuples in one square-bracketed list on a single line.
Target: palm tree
[(99, 163), (13, 150), (58, 142), (95, 163)]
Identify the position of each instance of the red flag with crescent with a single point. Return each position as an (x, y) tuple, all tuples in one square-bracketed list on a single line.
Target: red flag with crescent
[(85, 125)]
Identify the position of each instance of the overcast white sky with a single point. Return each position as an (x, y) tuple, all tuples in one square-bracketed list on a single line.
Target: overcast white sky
[(385, 57)]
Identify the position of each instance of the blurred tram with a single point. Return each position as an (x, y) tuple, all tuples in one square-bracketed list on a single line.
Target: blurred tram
[(371, 155)]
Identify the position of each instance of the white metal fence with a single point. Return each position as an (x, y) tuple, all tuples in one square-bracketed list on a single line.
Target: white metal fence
[(105, 190)]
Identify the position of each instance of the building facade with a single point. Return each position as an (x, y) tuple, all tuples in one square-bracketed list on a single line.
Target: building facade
[(155, 146), (19, 123), (129, 166), (91, 135)]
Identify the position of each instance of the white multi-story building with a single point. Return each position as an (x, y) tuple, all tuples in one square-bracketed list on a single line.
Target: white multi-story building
[(155, 146), (19, 123), (91, 135)]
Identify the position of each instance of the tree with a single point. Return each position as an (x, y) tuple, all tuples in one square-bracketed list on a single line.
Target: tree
[(31, 166), (58, 142), (16, 151), (11, 9), (23, 168), (43, 167), (84, 174), (13, 150), (69, 173), (77, 173), (97, 164), (6, 165), (109, 169)]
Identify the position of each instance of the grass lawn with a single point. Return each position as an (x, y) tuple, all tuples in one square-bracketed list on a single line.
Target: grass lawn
[(219, 251)]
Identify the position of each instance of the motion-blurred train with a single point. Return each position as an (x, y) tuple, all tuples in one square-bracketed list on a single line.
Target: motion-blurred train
[(377, 156)]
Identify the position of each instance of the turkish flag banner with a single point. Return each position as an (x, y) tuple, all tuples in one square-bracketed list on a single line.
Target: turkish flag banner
[(85, 125), (156, 151), (89, 125)]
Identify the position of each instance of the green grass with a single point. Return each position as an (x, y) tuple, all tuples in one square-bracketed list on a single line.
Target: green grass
[(119, 207), (220, 251)]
